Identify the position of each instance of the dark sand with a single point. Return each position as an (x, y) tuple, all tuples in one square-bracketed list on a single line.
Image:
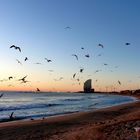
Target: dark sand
[(113, 123)]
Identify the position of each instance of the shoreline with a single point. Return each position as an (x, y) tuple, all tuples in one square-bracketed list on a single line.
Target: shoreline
[(134, 98), (94, 124)]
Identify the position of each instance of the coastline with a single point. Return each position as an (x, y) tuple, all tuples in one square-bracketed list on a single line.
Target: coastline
[(90, 125)]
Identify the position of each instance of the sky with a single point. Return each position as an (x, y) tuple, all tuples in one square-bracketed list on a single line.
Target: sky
[(39, 28)]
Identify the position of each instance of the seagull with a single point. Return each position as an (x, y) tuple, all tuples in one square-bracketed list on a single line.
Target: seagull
[(59, 79), (19, 62), (10, 85), (116, 66), (100, 45), (50, 70), (48, 60), (127, 43), (96, 80), (23, 79), (87, 55), (25, 59), (17, 48), (1, 95), (81, 70), (67, 27), (78, 79), (99, 54), (75, 56), (11, 116), (37, 89), (10, 77), (38, 63), (119, 82), (74, 75), (82, 48)]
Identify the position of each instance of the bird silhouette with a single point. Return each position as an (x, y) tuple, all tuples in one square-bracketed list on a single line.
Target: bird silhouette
[(97, 71), (82, 48), (59, 79), (1, 95), (116, 66), (75, 56), (19, 62), (15, 47), (87, 55), (37, 89), (119, 82), (101, 45), (68, 27), (37, 63), (81, 70), (105, 64), (25, 59), (23, 79), (11, 116), (127, 44), (74, 75), (48, 60), (10, 77), (50, 70)]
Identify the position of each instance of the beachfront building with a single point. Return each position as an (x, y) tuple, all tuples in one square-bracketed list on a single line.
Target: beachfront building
[(88, 86)]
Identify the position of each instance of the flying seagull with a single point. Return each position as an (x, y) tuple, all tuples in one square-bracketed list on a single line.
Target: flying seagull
[(119, 82), (37, 89), (25, 59), (97, 71), (48, 60), (81, 70), (19, 62), (10, 77), (74, 75), (17, 48), (105, 64), (1, 95), (38, 63), (75, 56), (101, 45), (87, 55), (59, 79), (23, 79), (50, 70), (127, 43), (99, 54), (68, 27)]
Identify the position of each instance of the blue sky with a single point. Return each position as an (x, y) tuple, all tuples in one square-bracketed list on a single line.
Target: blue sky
[(38, 27)]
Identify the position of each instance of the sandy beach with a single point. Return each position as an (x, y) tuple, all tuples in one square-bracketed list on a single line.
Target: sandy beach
[(112, 123)]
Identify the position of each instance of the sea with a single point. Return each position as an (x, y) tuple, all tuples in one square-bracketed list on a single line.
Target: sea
[(29, 105)]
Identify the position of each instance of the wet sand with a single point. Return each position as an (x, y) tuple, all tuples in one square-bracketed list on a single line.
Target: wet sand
[(112, 123)]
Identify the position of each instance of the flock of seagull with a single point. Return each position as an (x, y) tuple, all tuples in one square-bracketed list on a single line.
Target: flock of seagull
[(23, 79)]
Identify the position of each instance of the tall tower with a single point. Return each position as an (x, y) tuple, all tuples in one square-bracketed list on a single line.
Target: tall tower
[(88, 86)]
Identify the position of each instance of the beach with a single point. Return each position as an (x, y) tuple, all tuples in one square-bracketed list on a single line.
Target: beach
[(111, 123)]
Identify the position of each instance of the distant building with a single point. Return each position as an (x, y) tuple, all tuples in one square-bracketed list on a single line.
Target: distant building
[(88, 86)]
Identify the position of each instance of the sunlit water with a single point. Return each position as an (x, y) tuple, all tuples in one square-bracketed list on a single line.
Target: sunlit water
[(37, 105)]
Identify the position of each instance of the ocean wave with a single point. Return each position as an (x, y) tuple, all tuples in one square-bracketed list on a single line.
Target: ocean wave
[(28, 106), (80, 99)]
